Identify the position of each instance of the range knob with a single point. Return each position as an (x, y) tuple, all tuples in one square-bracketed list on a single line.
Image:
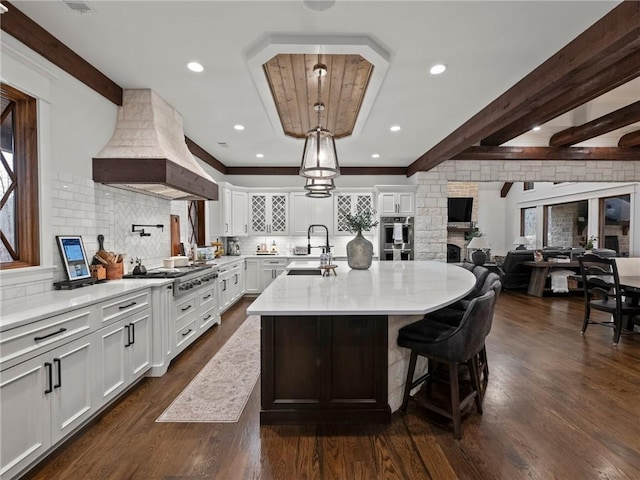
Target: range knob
[(197, 282)]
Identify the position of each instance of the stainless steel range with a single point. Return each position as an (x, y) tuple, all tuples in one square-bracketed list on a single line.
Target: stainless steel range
[(187, 279)]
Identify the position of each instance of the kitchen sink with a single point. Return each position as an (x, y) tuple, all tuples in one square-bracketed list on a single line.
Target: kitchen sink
[(310, 271)]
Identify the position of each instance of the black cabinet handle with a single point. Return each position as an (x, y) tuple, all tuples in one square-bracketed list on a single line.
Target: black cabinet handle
[(37, 339), (59, 363), (208, 296), (127, 306), (236, 282), (186, 333), (49, 367), (133, 333), (207, 318), (128, 328), (186, 308), (224, 286)]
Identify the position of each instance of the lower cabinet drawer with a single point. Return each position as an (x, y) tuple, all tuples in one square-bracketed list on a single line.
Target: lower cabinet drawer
[(120, 307), (185, 335), (38, 337), (208, 318)]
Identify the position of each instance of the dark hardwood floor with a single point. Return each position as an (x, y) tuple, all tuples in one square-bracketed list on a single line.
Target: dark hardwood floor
[(558, 405)]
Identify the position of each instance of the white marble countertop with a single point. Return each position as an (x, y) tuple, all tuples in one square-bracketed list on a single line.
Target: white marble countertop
[(387, 288), (36, 307)]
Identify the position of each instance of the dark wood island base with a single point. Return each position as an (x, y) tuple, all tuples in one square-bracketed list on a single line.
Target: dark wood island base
[(324, 369)]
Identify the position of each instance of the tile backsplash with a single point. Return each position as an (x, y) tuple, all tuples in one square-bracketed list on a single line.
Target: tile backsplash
[(81, 207)]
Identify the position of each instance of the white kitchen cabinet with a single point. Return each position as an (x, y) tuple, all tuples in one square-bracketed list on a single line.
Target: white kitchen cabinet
[(124, 349), (350, 203), (230, 284), (252, 276), (43, 400), (269, 213), (271, 268), (307, 211), (208, 308), (239, 214), (228, 216), (396, 203), (185, 328)]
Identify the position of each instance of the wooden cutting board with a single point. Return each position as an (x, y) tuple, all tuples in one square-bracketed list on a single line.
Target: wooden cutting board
[(175, 234)]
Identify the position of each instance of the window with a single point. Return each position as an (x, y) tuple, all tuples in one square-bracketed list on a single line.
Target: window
[(528, 223), (615, 222), (19, 231)]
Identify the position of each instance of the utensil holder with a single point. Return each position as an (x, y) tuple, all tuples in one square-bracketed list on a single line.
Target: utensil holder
[(115, 271)]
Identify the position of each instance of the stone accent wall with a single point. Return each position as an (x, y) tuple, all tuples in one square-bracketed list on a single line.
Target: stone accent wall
[(431, 195), (463, 189)]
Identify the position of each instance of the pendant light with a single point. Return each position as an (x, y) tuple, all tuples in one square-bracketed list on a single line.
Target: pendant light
[(319, 184), (319, 157)]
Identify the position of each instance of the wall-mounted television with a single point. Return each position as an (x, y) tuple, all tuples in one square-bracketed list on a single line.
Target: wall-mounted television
[(459, 209)]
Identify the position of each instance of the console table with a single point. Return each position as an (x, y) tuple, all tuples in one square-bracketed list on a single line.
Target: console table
[(540, 272)]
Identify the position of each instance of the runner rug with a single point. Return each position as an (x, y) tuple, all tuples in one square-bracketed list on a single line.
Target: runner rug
[(219, 392)]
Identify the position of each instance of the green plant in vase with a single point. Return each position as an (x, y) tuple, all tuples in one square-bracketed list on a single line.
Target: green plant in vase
[(591, 242), (360, 250)]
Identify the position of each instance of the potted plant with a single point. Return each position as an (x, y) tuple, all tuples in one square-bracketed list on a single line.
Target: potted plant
[(590, 243), (360, 250)]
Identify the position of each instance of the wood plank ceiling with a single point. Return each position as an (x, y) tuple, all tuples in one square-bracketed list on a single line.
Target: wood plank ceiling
[(294, 88)]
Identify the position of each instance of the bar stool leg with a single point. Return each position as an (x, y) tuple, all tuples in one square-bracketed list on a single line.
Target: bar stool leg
[(407, 386), (455, 400)]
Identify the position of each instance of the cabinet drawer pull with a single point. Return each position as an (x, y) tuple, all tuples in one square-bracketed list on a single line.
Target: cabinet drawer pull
[(207, 317), (236, 282), (59, 363), (37, 339), (186, 333), (122, 307), (48, 367), (186, 308), (208, 296)]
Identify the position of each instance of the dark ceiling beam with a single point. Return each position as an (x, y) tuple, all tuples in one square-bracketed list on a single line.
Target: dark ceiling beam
[(630, 139), (583, 89), (22, 28), (205, 156), (504, 191), (598, 126), (609, 40), (296, 171), (548, 153)]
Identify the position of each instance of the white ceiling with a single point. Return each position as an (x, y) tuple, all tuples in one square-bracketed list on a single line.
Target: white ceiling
[(487, 45)]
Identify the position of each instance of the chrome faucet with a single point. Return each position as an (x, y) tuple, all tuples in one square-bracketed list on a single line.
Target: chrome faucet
[(309, 247)]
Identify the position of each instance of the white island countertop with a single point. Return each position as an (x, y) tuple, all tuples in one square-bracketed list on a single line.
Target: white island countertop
[(387, 288)]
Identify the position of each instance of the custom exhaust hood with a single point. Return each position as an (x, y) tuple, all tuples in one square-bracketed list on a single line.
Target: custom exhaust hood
[(148, 153)]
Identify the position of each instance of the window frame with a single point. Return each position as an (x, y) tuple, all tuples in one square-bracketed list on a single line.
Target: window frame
[(25, 159)]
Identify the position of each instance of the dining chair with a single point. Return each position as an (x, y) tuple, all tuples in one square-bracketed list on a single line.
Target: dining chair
[(602, 292), (450, 346)]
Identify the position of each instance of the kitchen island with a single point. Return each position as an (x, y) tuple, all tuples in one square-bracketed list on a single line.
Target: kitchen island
[(328, 343)]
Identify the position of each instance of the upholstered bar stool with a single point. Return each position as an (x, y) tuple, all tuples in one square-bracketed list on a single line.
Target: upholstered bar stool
[(451, 346)]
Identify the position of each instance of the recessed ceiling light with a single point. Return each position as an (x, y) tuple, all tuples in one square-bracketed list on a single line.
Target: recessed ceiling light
[(238, 127), (195, 67), (437, 69), (535, 129), (395, 128), (375, 155), (259, 155)]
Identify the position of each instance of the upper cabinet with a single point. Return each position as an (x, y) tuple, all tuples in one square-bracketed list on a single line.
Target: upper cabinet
[(396, 203), (350, 203), (228, 217), (239, 214), (269, 213), (307, 211)]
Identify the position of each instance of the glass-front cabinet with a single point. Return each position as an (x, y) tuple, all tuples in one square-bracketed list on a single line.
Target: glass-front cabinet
[(350, 203), (269, 213)]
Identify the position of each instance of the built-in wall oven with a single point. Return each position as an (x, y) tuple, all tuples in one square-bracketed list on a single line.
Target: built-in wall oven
[(396, 238)]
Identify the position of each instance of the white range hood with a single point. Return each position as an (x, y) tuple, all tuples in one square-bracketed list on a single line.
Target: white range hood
[(148, 152)]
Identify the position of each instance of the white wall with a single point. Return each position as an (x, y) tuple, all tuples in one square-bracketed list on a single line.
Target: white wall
[(74, 123), (491, 216)]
